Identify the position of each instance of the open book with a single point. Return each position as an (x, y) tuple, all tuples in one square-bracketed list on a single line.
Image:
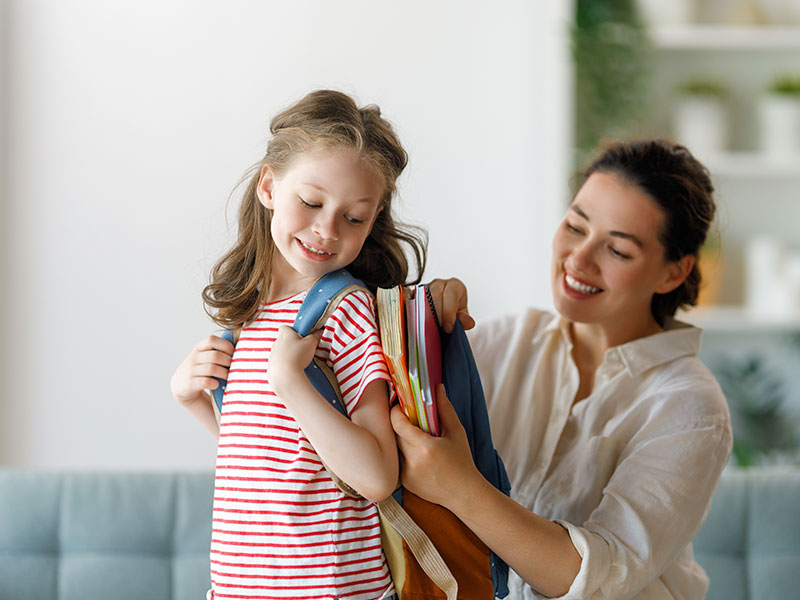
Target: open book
[(413, 351)]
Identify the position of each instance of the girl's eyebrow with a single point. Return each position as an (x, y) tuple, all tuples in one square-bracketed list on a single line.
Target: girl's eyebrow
[(323, 189), (620, 234)]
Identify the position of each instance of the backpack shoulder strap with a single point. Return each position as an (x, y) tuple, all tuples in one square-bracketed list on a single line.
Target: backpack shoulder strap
[(318, 305), (323, 298)]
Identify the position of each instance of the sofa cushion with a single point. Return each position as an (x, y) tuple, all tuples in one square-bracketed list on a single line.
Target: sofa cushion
[(70, 536), (750, 543)]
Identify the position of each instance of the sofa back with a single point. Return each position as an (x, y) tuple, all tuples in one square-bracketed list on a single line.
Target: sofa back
[(750, 543), (92, 536), (129, 536)]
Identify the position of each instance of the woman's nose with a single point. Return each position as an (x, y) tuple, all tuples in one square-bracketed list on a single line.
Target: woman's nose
[(582, 257)]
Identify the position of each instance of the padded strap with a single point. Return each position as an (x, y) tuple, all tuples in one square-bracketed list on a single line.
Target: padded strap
[(421, 546), (318, 305), (220, 391)]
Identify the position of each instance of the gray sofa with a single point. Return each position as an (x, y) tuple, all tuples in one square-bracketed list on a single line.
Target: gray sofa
[(93, 536)]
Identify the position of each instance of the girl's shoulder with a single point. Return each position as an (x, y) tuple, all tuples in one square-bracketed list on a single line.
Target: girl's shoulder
[(355, 313)]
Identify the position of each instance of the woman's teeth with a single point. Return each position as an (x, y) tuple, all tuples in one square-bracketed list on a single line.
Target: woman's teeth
[(314, 250), (581, 287)]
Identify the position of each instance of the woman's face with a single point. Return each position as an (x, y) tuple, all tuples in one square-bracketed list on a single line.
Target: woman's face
[(608, 260)]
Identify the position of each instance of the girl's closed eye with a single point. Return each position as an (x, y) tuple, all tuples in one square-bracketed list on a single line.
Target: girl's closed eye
[(308, 204), (354, 220)]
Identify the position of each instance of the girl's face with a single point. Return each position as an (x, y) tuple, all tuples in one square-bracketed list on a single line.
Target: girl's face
[(608, 260), (323, 208)]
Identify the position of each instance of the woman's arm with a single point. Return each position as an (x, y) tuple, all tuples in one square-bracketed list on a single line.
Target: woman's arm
[(362, 451), (539, 550)]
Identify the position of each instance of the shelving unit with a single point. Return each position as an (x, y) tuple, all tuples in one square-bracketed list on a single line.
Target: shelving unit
[(752, 165), (737, 319), (757, 193), (726, 37)]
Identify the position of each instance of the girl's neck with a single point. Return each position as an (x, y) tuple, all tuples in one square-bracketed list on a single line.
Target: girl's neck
[(284, 281)]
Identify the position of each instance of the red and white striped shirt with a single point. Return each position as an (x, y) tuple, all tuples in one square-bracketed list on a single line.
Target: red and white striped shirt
[(281, 528)]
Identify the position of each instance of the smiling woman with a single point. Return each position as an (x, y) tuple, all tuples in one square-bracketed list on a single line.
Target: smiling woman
[(614, 434)]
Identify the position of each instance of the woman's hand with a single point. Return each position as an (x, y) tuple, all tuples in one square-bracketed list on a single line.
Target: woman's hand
[(208, 359), (435, 467), (289, 357), (450, 298)]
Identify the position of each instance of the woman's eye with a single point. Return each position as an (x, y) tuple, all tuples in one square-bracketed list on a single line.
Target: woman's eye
[(354, 220), (572, 229), (617, 253)]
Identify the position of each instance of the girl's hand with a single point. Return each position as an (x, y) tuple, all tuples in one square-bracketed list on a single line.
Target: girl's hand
[(208, 359), (434, 467), (289, 357), (450, 298)]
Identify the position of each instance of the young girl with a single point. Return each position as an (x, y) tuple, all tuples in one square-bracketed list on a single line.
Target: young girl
[(320, 200)]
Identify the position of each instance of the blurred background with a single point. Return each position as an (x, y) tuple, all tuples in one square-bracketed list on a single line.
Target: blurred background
[(125, 127)]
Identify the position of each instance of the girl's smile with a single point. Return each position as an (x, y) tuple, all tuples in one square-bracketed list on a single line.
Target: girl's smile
[(315, 252)]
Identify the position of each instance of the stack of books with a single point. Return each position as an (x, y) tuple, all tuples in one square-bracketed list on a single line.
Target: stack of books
[(413, 350)]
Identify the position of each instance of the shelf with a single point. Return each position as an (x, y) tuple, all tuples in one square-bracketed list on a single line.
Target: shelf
[(737, 319), (726, 37), (751, 165)]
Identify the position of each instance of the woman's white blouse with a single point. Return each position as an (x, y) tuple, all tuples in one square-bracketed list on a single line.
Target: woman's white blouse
[(629, 471)]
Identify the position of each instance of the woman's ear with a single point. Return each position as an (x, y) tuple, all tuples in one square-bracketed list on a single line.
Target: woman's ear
[(266, 185), (677, 273)]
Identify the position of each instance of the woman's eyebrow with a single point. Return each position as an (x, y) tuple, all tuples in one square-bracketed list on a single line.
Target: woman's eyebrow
[(577, 209), (620, 234), (627, 236)]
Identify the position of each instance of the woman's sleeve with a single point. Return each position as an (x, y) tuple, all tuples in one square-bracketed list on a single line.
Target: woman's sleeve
[(655, 501), (354, 349)]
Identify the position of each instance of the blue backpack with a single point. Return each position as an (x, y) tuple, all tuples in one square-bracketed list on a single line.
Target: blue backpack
[(418, 563)]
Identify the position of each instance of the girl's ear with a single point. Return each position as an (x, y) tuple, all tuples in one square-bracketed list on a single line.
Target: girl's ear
[(677, 273), (266, 184)]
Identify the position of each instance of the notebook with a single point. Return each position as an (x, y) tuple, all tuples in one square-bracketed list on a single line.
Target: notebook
[(392, 319), (418, 371)]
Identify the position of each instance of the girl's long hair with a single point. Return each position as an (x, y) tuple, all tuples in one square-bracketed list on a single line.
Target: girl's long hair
[(324, 119)]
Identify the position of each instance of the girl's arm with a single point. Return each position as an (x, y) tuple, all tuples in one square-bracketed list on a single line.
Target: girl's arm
[(208, 359), (362, 451), (441, 470)]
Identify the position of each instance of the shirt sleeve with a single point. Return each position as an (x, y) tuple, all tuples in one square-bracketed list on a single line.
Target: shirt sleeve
[(352, 346), (652, 506)]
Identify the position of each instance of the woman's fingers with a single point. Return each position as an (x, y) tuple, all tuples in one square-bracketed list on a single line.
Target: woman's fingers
[(450, 299)]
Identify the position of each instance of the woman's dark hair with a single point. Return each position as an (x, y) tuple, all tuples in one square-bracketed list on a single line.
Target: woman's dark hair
[(682, 187)]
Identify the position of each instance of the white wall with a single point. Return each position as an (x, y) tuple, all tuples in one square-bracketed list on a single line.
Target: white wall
[(128, 124)]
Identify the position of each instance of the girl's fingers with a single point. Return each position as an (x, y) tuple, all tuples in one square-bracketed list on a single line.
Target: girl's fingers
[(210, 370), (213, 342)]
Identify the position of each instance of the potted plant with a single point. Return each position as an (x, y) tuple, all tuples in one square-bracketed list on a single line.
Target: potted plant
[(779, 118), (611, 53), (700, 116)]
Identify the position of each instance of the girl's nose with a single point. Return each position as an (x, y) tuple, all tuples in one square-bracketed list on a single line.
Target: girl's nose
[(325, 226)]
